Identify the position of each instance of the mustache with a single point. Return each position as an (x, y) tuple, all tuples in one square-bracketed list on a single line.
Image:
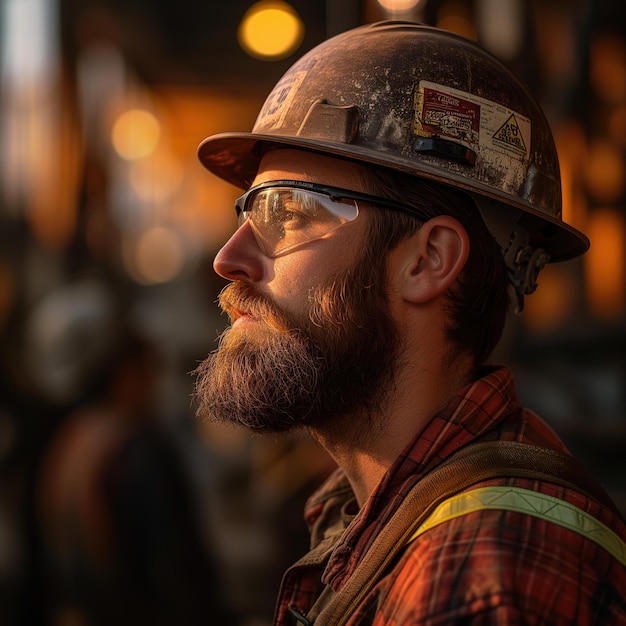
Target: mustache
[(240, 298)]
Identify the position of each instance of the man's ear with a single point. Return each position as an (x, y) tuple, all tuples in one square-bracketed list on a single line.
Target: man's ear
[(433, 258)]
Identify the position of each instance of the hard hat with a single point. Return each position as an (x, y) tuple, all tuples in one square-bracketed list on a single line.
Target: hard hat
[(429, 103)]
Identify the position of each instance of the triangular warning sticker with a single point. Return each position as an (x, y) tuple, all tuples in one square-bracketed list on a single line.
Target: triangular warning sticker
[(510, 134)]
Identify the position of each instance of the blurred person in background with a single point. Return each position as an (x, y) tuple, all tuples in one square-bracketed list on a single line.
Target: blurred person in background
[(402, 190), (120, 533)]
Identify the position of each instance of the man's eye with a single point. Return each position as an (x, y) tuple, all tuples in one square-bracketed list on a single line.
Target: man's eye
[(293, 218)]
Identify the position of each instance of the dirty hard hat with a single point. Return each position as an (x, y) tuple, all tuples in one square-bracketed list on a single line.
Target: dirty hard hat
[(428, 103)]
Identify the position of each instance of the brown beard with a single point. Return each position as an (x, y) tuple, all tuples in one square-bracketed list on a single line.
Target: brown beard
[(287, 373)]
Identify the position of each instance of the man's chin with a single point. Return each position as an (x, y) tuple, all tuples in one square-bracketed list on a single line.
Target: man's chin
[(253, 331), (256, 420), (260, 378), (249, 334)]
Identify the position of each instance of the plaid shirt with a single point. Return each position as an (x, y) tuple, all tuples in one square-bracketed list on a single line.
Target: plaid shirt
[(486, 568)]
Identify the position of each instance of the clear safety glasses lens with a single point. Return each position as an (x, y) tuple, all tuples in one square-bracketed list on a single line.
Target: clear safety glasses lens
[(285, 217)]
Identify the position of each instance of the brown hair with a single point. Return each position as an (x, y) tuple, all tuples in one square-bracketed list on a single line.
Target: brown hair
[(479, 304)]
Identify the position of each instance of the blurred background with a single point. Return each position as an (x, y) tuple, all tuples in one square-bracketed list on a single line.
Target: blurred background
[(116, 505)]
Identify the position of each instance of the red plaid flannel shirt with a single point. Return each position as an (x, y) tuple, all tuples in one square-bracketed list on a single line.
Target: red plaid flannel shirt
[(485, 568)]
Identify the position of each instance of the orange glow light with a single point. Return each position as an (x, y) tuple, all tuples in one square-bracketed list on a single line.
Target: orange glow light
[(548, 308), (605, 171), (398, 5), (271, 30), (455, 17), (135, 134), (605, 263)]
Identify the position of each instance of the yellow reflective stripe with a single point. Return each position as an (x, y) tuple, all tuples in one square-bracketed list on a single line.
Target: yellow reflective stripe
[(531, 503)]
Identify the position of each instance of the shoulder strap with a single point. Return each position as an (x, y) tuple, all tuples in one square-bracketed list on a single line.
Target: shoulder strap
[(512, 459), (467, 467), (531, 503)]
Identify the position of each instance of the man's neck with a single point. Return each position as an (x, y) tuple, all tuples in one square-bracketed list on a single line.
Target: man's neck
[(365, 447)]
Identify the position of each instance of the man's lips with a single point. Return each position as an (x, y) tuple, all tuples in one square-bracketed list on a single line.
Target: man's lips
[(245, 307), (239, 317)]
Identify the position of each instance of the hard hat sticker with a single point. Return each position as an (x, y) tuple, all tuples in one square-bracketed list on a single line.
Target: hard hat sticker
[(445, 115), (278, 102), (510, 134), (476, 122)]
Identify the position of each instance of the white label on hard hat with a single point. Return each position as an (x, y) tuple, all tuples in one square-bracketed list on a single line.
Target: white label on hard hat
[(482, 125), (278, 102)]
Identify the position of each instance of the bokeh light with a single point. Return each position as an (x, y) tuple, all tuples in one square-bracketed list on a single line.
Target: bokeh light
[(608, 68), (548, 308), (135, 134), (271, 30), (456, 17), (604, 171), (501, 26), (605, 270), (398, 5), (156, 256)]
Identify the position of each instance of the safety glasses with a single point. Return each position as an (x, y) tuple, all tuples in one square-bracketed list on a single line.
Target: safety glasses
[(285, 214)]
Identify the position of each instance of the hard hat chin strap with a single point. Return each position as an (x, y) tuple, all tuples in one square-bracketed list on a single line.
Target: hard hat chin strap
[(523, 261)]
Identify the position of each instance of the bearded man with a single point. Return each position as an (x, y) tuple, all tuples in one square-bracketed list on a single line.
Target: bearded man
[(401, 183)]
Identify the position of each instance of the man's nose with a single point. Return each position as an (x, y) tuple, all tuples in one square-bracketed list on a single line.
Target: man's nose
[(240, 258)]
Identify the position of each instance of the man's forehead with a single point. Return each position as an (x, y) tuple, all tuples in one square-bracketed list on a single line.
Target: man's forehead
[(291, 164)]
